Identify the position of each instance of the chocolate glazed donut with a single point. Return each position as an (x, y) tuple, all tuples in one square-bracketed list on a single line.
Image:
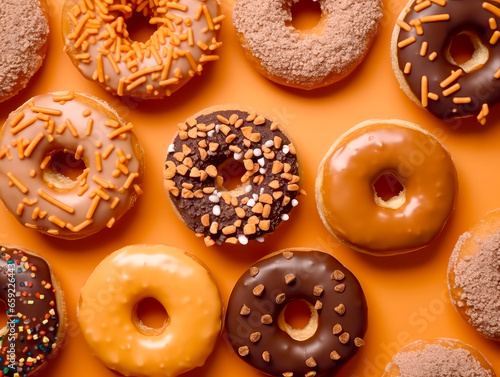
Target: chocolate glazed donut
[(255, 325), (425, 67)]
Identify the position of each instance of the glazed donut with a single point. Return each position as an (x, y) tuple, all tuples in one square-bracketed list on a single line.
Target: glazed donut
[(425, 67), (474, 276), (42, 146), (306, 59), (196, 187), (36, 313), (350, 206), (439, 357), (98, 42), (180, 282), (24, 27), (255, 323)]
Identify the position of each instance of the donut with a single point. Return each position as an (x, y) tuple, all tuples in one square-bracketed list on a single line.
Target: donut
[(195, 180), (69, 165), (36, 313), (98, 43), (397, 152), (439, 357), (24, 26), (424, 64), (107, 311), (474, 276), (306, 59), (255, 322)]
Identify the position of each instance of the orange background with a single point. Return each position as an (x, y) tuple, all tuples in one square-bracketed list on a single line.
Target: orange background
[(407, 295)]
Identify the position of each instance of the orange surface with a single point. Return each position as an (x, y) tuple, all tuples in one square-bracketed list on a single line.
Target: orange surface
[(407, 294)]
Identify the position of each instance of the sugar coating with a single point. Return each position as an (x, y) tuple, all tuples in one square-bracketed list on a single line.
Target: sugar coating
[(438, 361), (307, 59), (23, 31)]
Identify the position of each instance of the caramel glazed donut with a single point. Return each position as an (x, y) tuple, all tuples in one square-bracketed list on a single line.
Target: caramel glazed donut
[(79, 128), (269, 185), (352, 210), (425, 67), (98, 42), (306, 59), (107, 312), (441, 357), (474, 276), (24, 27), (255, 321), (36, 314)]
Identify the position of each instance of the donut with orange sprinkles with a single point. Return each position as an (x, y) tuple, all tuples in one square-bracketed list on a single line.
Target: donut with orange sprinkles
[(36, 313), (98, 41)]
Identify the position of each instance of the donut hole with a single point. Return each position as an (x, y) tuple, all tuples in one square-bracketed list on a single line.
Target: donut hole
[(466, 51), (150, 317), (299, 319), (139, 28), (389, 191), (306, 14), (63, 170), (230, 173)]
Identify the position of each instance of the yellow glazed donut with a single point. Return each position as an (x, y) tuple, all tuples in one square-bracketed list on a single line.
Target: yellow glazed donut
[(181, 283), (97, 40), (69, 165), (399, 152)]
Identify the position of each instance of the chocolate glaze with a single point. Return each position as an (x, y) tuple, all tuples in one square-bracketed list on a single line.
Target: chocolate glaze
[(192, 209), (36, 302), (479, 84), (310, 268)]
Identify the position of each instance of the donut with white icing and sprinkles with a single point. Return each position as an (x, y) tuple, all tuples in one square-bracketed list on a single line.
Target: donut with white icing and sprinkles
[(69, 165), (424, 62), (269, 186), (98, 42), (36, 313), (255, 320)]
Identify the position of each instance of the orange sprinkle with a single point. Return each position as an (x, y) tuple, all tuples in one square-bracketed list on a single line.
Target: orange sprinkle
[(418, 26), (208, 58), (494, 38), (167, 63), (84, 175), (130, 179), (17, 118), (191, 61), (425, 91), (20, 209), (47, 111), (108, 151), (171, 81), (17, 183), (190, 37), (79, 152), (33, 144), (406, 42), (43, 117), (102, 182), (81, 226), (90, 125), (22, 126), (72, 128), (433, 56), (83, 189), (121, 155), (93, 207), (36, 213), (61, 128), (493, 9), (407, 68), (459, 100), (63, 98), (435, 18), (20, 148), (403, 25), (181, 7), (451, 90), (42, 194), (111, 222), (100, 68), (198, 12), (422, 5), (208, 16), (439, 2), (98, 161), (115, 202), (45, 162), (56, 220), (136, 83), (449, 80), (493, 23), (433, 96), (102, 194), (120, 131), (497, 74), (423, 48)]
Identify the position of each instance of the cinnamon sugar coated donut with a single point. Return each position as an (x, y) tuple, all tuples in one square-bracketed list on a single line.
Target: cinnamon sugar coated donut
[(255, 320), (399, 152), (194, 177), (440, 357), (108, 307), (306, 59), (99, 44), (474, 276), (69, 165), (424, 62), (36, 313), (24, 27)]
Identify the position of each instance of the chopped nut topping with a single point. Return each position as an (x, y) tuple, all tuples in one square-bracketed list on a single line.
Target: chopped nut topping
[(258, 290), (310, 374), (317, 290), (266, 319), (337, 329), (280, 298), (311, 363), (339, 288), (288, 374), (254, 271), (358, 342), (338, 275), (289, 278), (245, 310), (318, 305), (334, 355), (266, 356), (288, 254), (243, 351), (344, 338), (340, 309), (255, 337)]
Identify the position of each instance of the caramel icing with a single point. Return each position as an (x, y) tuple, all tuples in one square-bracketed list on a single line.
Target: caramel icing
[(86, 128), (355, 162), (179, 282)]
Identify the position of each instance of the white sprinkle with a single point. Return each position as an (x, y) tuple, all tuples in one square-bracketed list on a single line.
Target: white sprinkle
[(171, 148), (260, 239), (261, 161), (251, 203), (237, 156), (286, 149), (216, 210), (295, 202), (213, 198), (257, 152), (255, 197), (210, 133), (262, 171), (269, 143), (285, 217), (219, 194), (243, 240), (261, 190), (217, 126), (248, 189)]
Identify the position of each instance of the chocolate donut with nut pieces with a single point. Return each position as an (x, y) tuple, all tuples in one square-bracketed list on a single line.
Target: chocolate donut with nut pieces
[(255, 321), (269, 187), (36, 313)]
